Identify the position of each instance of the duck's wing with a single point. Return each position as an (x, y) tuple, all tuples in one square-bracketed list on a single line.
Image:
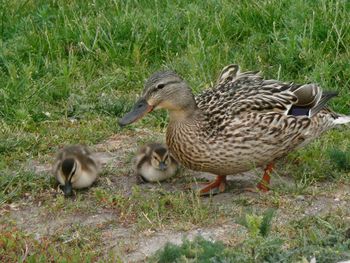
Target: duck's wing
[(238, 92), (230, 73), (227, 74)]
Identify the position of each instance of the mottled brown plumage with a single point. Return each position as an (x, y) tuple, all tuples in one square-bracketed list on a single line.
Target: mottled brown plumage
[(241, 123)]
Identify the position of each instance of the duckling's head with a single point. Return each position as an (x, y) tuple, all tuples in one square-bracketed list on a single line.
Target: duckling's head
[(160, 158), (69, 168), (163, 90)]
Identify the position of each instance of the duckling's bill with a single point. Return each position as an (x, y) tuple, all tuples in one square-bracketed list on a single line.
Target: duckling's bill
[(140, 109), (67, 189), (162, 166)]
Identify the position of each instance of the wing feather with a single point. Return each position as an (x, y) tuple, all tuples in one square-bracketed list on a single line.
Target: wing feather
[(237, 92)]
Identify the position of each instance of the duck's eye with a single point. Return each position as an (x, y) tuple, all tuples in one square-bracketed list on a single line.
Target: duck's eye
[(160, 86)]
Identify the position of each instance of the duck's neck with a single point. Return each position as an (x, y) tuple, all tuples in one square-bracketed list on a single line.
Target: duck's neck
[(185, 108), (183, 135), (179, 115)]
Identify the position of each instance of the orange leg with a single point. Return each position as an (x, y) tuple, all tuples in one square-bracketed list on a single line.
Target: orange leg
[(264, 184), (218, 186)]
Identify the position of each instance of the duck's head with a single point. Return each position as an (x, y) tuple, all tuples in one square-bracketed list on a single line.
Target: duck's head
[(163, 90), (160, 158), (68, 168)]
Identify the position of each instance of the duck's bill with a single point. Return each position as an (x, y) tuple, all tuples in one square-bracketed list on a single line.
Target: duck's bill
[(140, 109)]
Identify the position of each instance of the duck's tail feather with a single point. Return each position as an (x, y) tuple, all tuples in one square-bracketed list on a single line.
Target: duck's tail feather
[(326, 96), (342, 120)]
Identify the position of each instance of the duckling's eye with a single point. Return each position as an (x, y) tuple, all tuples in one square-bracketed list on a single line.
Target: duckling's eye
[(155, 158), (160, 86)]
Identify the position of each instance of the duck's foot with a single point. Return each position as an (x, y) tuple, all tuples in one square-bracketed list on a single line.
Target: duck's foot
[(212, 188), (264, 184)]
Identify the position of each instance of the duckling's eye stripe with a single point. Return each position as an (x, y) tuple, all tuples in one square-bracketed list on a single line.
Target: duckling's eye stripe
[(156, 157)]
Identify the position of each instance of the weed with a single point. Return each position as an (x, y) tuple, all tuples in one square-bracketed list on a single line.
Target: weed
[(200, 250)]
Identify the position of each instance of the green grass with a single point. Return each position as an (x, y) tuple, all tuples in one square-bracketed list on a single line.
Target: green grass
[(324, 238), (341, 159), (64, 60), (69, 69), (17, 246), (14, 184), (156, 210)]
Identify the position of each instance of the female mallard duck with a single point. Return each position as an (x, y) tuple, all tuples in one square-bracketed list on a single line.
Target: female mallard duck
[(75, 167), (242, 123), (154, 163)]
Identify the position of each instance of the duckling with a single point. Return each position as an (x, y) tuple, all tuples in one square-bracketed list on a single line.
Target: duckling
[(75, 168), (154, 163)]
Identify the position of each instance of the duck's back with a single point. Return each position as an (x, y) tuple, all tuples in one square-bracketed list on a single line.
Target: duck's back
[(249, 121)]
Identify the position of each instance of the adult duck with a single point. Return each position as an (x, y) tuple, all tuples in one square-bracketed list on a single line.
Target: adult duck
[(243, 122)]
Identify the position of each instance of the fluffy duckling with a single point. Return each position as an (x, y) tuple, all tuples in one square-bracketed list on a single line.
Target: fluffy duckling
[(75, 168), (154, 163)]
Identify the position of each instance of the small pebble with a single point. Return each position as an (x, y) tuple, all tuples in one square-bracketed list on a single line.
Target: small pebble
[(300, 198)]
